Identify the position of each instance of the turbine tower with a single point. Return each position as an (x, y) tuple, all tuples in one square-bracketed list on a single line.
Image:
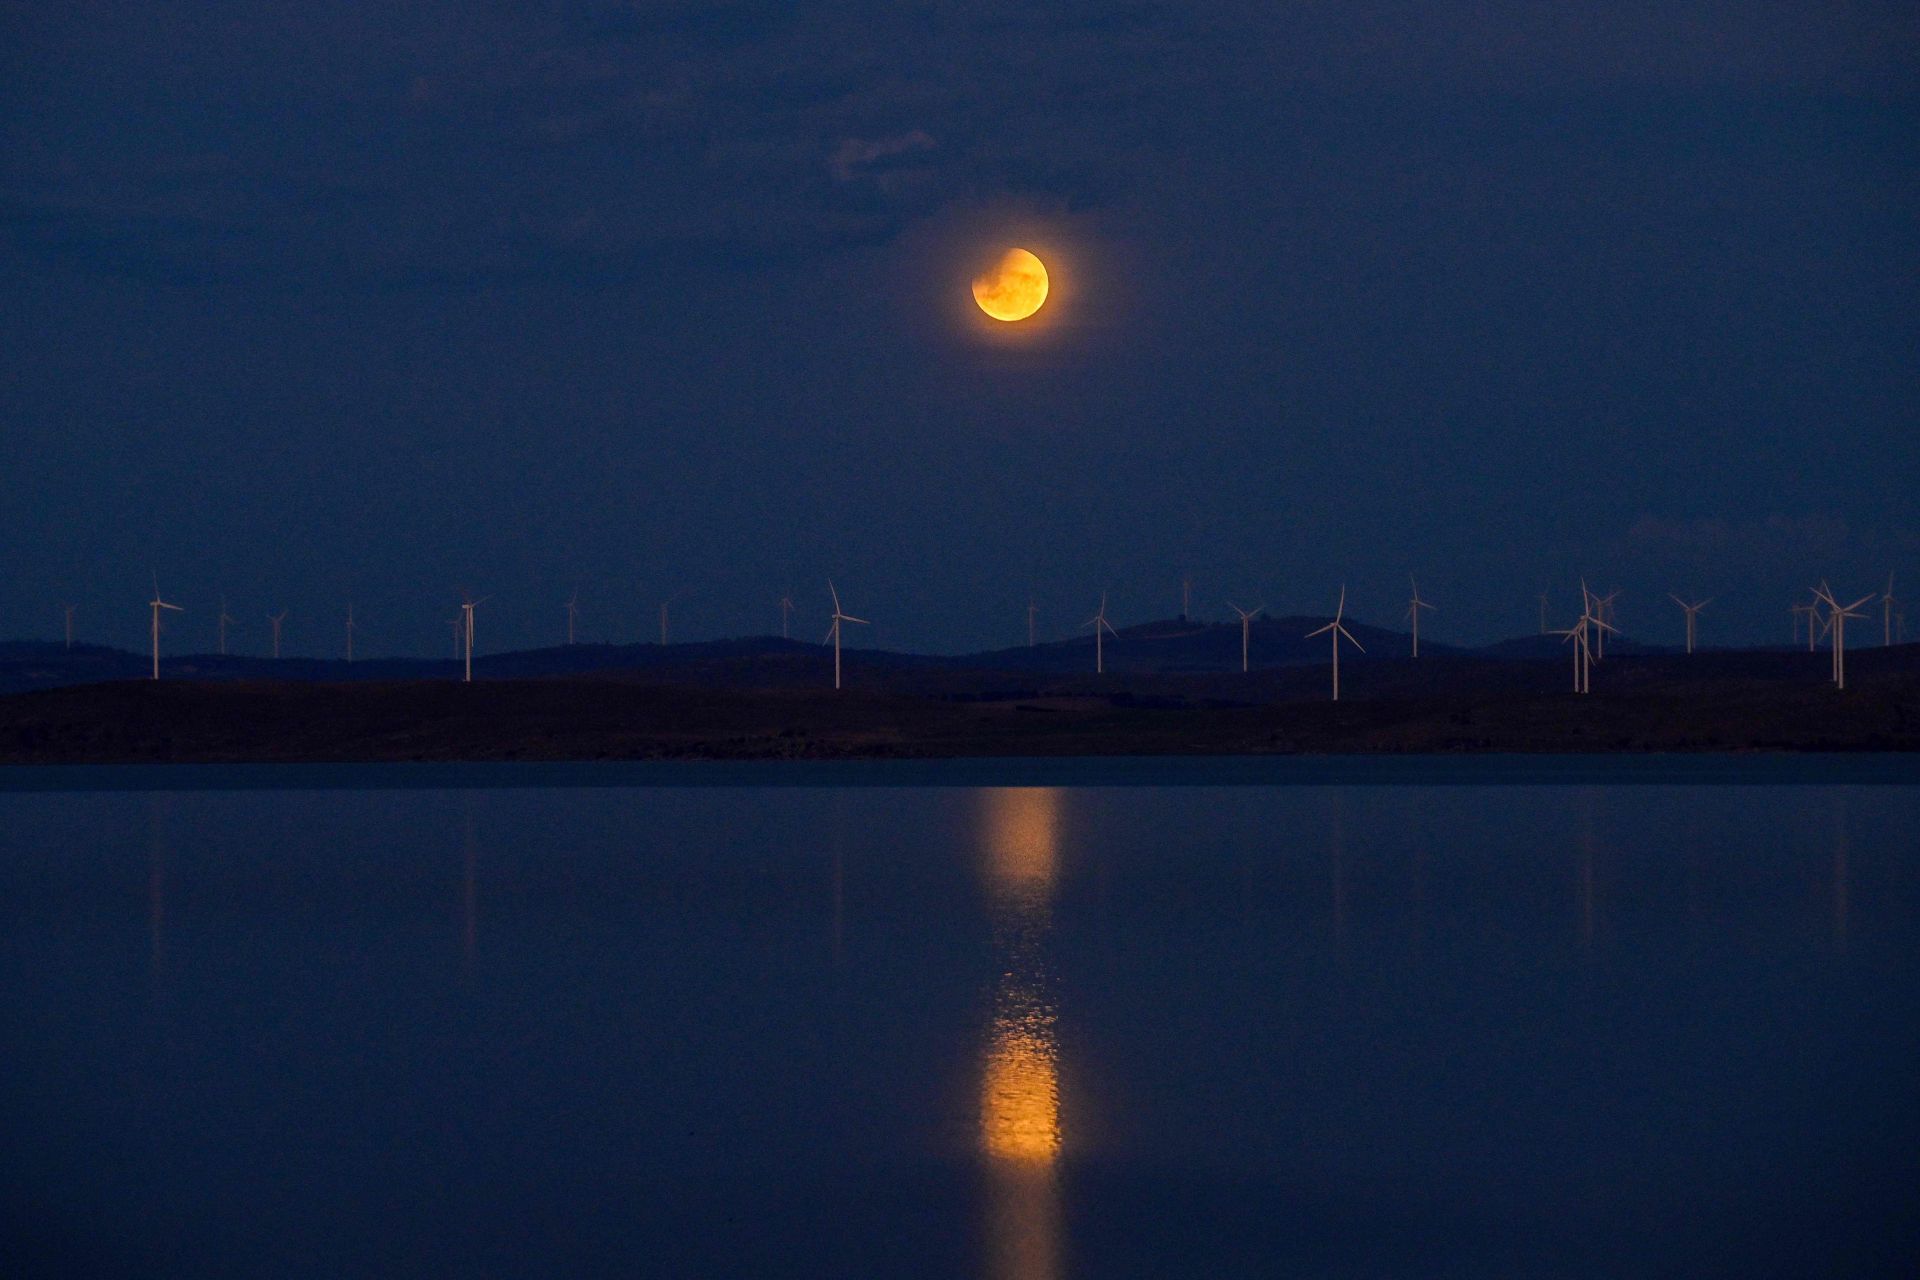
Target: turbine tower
[(1101, 629), (157, 604), (1580, 634), (1033, 611), (68, 610), (786, 615), (833, 632), (225, 618), (1186, 596), (349, 631), (276, 619), (1414, 606), (1815, 612), (573, 613), (467, 606), (1796, 611), (1836, 626), (1582, 656), (1337, 628), (1603, 615), (1246, 627), (1693, 614)]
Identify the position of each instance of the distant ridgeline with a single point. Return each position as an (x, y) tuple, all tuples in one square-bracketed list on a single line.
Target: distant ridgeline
[(1170, 647), (1169, 688), (1276, 651)]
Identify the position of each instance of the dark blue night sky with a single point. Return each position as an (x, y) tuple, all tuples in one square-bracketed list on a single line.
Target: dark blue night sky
[(304, 302)]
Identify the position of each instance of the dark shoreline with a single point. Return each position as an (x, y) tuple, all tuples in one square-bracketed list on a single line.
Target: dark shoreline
[(1652, 709)]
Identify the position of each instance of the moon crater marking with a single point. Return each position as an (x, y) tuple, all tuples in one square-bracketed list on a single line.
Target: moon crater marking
[(1013, 288)]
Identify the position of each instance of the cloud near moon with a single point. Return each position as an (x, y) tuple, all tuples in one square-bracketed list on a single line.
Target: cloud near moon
[(1013, 288)]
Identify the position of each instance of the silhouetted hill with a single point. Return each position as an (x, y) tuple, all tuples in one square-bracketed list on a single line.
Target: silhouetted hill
[(1175, 645), (1151, 660), (757, 660), (1717, 702)]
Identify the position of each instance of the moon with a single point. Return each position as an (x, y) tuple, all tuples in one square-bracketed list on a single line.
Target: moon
[(1013, 288)]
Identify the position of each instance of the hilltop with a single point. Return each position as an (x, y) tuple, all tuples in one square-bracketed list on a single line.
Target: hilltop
[(1171, 646), (1170, 688)]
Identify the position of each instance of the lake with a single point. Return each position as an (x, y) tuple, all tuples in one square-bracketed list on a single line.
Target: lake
[(1320, 1025)]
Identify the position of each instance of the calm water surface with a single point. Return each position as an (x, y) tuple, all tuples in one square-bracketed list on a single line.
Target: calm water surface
[(993, 1032)]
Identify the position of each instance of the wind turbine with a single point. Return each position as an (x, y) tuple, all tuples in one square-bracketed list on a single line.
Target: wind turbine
[(1414, 606), (1821, 595), (349, 631), (833, 632), (225, 618), (1583, 655), (1796, 611), (1033, 611), (1887, 602), (1338, 629), (467, 606), (276, 619), (157, 604), (1246, 627), (1692, 611), (786, 615), (1186, 596), (68, 610), (1101, 630), (1837, 615), (573, 612), (1603, 615)]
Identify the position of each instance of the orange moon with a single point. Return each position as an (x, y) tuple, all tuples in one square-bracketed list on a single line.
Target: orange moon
[(1013, 288)]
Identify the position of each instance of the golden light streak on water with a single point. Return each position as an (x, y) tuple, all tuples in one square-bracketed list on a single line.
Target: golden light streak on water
[(1020, 1130), (1025, 1233), (1023, 840), (1020, 1096)]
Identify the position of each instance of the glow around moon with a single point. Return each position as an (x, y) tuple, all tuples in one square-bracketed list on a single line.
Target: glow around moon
[(1013, 288)]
